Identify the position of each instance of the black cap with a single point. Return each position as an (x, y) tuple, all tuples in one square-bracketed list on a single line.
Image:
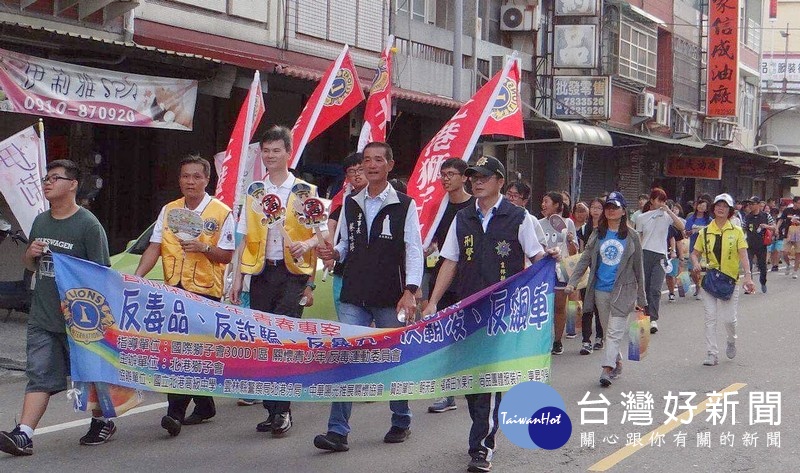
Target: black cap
[(754, 199), (486, 166)]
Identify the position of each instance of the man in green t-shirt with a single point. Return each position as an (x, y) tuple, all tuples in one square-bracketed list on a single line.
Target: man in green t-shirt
[(72, 230)]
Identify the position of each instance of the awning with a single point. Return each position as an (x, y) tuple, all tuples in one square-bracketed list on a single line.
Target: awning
[(583, 134), (397, 92), (29, 35), (545, 130), (622, 138)]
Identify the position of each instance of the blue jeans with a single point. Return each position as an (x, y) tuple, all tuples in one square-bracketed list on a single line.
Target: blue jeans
[(384, 317), (337, 292)]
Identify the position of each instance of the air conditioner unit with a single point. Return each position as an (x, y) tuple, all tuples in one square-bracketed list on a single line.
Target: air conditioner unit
[(726, 131), (516, 18), (681, 125), (709, 130), (663, 113), (645, 105)]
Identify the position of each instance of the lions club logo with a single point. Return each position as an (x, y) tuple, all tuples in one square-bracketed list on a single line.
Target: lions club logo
[(381, 78), (87, 314), (340, 89), (210, 226), (506, 102)]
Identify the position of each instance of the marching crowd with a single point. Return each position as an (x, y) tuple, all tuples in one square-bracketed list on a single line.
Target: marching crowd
[(382, 269)]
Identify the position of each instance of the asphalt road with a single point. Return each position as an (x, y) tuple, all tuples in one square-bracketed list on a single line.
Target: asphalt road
[(767, 361)]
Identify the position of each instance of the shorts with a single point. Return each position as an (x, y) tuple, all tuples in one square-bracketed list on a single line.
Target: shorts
[(48, 361), (777, 245)]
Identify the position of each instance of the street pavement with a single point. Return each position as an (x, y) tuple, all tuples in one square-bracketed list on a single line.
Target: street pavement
[(767, 361)]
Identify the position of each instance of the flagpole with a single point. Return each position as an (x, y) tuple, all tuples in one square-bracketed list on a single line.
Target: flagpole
[(318, 108), (248, 131), (42, 161)]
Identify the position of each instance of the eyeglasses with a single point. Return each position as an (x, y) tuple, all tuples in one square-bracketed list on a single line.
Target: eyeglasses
[(355, 172), (513, 196), (448, 175), (481, 179), (52, 179)]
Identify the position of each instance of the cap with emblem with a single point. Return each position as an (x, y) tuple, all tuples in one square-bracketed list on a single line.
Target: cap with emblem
[(754, 199), (616, 199), (486, 166)]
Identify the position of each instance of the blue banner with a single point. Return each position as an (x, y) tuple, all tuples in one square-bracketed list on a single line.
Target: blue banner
[(136, 333)]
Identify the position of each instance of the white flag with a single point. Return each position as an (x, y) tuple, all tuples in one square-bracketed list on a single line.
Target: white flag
[(21, 176)]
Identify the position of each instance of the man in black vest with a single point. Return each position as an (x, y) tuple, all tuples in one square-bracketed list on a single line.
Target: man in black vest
[(382, 251), (756, 222), (486, 243)]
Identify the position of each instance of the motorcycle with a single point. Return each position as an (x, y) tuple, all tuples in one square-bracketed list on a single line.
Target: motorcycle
[(14, 295)]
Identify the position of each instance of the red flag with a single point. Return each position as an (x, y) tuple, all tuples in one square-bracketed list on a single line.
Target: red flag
[(457, 138), (342, 92), (249, 115), (379, 104), (506, 116), (338, 199)]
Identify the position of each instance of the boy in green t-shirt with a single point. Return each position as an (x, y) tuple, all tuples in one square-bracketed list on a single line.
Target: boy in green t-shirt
[(68, 229)]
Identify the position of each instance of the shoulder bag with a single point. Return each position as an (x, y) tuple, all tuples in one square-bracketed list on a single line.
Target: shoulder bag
[(715, 282)]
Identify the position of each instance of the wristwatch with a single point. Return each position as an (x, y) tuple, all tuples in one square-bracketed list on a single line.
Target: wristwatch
[(412, 288), (310, 284)]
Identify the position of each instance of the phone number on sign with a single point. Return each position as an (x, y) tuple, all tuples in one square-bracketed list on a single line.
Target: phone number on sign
[(84, 111)]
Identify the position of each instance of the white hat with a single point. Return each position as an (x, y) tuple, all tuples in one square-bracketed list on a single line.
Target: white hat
[(724, 198)]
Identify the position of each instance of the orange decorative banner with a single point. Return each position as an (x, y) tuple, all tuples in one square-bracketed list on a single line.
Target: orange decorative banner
[(723, 52), (698, 167)]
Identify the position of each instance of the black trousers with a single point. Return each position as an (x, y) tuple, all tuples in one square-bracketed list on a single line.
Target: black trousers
[(178, 403), (760, 253), (277, 291), (483, 410), (586, 326)]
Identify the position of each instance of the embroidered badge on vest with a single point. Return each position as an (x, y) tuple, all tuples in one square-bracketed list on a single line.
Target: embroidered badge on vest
[(503, 248), (386, 232)]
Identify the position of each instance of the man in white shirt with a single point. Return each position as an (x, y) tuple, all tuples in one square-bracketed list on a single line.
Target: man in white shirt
[(381, 248)]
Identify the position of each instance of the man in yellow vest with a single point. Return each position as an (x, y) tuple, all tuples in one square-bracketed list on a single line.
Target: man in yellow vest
[(196, 264), (278, 249)]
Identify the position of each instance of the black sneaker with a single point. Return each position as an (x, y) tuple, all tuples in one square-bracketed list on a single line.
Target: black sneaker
[(479, 463), (16, 442), (598, 344), (99, 432), (171, 425), (774, 269), (332, 441), (195, 419), (558, 348), (266, 426), (282, 423), (396, 435)]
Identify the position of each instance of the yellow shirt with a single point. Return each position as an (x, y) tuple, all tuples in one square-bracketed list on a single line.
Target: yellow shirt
[(733, 240)]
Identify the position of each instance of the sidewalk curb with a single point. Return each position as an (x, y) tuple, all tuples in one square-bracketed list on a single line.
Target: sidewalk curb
[(14, 365)]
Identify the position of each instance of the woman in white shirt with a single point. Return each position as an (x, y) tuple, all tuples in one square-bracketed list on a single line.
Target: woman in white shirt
[(653, 224), (567, 242)]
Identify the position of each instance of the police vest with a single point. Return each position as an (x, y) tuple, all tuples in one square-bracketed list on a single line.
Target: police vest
[(486, 258), (261, 221), (194, 271), (375, 265)]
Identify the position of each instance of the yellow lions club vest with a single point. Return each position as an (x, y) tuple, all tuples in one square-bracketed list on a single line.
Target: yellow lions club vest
[(261, 219), (194, 271)]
